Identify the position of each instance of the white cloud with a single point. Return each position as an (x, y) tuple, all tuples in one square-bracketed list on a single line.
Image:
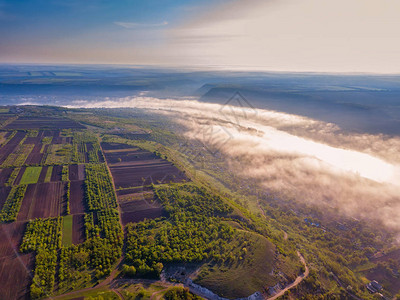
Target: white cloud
[(131, 25), (289, 35)]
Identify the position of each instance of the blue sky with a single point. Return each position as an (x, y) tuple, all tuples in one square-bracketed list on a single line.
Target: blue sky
[(52, 18), (43, 30), (281, 35)]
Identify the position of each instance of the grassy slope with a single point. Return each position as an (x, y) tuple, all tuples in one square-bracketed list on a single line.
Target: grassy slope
[(67, 231), (242, 277), (31, 175)]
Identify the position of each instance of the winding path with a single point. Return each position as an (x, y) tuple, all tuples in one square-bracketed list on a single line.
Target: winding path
[(299, 279), (106, 281)]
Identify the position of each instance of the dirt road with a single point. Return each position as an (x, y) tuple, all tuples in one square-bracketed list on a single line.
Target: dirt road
[(299, 279)]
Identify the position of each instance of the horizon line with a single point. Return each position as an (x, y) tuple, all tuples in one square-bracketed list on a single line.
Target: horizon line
[(215, 68)]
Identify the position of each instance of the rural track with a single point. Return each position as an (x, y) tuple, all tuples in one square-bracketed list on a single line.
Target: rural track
[(106, 281), (155, 294), (118, 294), (111, 281), (341, 284), (298, 280)]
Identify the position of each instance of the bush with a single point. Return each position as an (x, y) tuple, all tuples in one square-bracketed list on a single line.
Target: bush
[(180, 293)]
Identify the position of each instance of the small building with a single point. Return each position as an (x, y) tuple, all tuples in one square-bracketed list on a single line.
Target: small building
[(374, 287)]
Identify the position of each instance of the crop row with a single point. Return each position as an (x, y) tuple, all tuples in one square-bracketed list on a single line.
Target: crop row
[(13, 176), (65, 173), (18, 157), (9, 137), (13, 204), (98, 187), (44, 237)]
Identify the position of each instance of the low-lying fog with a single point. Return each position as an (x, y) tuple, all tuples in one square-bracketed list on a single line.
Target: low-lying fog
[(316, 162)]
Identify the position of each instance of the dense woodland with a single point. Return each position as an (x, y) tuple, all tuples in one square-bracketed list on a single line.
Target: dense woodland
[(44, 237), (193, 232)]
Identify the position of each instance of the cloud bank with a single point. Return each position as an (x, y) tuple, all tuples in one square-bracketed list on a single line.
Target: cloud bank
[(357, 175), (286, 35), (131, 25)]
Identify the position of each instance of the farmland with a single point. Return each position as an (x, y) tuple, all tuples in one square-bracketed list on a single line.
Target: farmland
[(76, 200), (42, 199), (62, 197), (13, 265), (43, 237), (67, 230), (13, 203), (43, 123), (67, 198), (137, 207), (134, 167), (69, 204), (133, 171), (31, 175)]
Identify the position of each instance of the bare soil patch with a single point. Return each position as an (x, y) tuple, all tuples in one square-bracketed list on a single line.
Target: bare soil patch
[(4, 175), (77, 194), (4, 191), (10, 238), (138, 216), (15, 276), (9, 148), (27, 202), (139, 206), (43, 123), (42, 200), (76, 172), (19, 176), (57, 173), (115, 146), (146, 172), (43, 174), (78, 229), (48, 200)]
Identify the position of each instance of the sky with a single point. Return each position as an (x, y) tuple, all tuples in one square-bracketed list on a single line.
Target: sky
[(268, 35)]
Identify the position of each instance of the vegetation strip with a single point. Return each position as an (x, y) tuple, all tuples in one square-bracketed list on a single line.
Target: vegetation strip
[(13, 203)]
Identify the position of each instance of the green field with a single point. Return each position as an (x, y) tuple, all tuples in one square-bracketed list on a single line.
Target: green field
[(48, 174), (244, 275), (31, 175), (59, 154), (4, 110), (67, 231)]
